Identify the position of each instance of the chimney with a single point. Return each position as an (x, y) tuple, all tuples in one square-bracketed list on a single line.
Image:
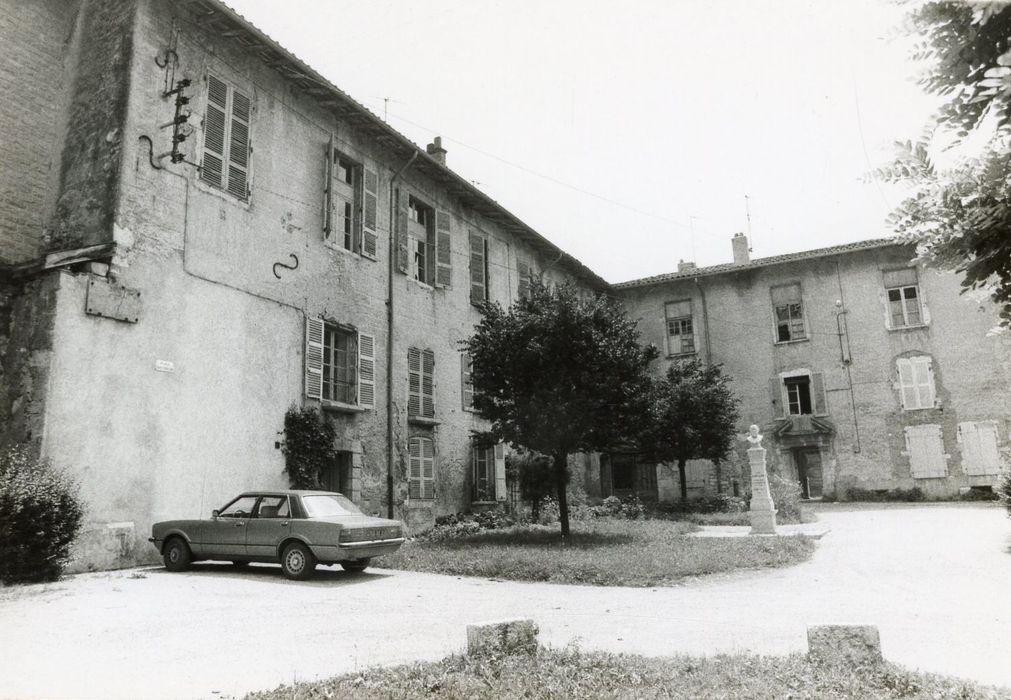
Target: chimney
[(740, 244), (685, 266), (436, 150)]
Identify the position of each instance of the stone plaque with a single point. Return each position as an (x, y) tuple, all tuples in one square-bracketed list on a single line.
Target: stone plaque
[(110, 300)]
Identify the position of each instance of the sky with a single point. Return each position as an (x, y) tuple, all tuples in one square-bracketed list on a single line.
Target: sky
[(637, 134)]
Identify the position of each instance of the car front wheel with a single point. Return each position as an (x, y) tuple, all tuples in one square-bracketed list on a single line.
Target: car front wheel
[(176, 555), (355, 566), (297, 562)]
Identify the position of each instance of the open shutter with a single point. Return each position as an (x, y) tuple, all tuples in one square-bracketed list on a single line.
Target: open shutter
[(427, 468), (328, 198), (401, 232), (428, 384), (523, 270), (466, 381), (370, 207), (924, 369), (314, 358), (413, 382), (500, 473), (776, 397), (238, 147), (414, 468), (478, 283), (366, 370), (907, 384), (818, 393), (443, 249), (215, 117)]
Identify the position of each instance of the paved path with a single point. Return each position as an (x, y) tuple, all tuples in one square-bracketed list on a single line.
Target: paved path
[(935, 579)]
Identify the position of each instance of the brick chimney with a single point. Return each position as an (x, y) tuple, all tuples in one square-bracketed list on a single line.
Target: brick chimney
[(740, 245), (436, 150), (685, 266)]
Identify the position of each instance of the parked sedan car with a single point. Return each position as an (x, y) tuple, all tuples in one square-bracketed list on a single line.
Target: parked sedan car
[(296, 528)]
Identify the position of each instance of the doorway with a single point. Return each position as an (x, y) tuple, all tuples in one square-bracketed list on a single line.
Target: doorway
[(808, 461), (336, 476)]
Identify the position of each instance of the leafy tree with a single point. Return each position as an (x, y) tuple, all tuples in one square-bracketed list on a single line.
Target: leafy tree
[(559, 373), (692, 414), (960, 218)]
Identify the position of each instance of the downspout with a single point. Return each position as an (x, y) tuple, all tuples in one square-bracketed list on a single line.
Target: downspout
[(705, 322), (391, 253)]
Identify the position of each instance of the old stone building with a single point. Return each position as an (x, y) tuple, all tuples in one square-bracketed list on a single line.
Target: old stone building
[(863, 370)]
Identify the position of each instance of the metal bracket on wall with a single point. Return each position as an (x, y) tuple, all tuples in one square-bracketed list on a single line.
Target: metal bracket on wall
[(286, 267)]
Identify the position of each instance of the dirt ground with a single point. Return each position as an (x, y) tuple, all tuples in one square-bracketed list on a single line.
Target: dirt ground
[(934, 578)]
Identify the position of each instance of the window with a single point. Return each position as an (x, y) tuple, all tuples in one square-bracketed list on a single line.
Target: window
[(420, 383), (349, 220), (273, 507), (226, 139), (925, 449), (916, 382), (978, 443), (527, 275), (467, 381), (798, 395), (423, 241), (421, 468), (241, 507), (680, 333), (478, 268), (489, 478), (789, 312), (903, 298), (339, 364)]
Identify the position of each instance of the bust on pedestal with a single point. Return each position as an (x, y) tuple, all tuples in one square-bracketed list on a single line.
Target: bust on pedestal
[(762, 512)]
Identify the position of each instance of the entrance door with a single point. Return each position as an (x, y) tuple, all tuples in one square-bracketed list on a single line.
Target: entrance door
[(809, 472)]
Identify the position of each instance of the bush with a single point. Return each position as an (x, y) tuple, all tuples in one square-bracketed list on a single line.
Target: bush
[(911, 495), (785, 498), (534, 473), (40, 516), (448, 527), (308, 447), (1003, 490)]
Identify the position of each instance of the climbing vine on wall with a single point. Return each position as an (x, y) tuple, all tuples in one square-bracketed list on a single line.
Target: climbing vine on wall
[(308, 447)]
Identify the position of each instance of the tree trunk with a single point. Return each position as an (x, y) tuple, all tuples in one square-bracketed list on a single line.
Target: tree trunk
[(718, 465), (684, 479), (561, 472)]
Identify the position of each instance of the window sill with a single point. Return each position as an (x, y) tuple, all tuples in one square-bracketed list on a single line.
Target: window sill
[(423, 285), (791, 342), (422, 420), (487, 503), (916, 327), (682, 355), (341, 407), (922, 408)]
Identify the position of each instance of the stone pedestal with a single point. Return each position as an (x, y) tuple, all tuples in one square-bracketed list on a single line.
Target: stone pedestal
[(763, 513)]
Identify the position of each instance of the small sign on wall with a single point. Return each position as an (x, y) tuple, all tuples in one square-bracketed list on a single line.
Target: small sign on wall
[(110, 300), (164, 366)]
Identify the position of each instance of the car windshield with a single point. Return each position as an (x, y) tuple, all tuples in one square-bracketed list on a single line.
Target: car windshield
[(326, 505)]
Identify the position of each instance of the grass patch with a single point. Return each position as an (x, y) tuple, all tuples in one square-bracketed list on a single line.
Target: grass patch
[(602, 552), (572, 674)]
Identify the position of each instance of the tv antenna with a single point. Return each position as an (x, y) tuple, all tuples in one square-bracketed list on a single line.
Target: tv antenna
[(747, 214)]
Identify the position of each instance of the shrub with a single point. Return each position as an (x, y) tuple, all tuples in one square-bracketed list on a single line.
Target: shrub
[(455, 525), (40, 516), (785, 498), (533, 470), (308, 447), (1003, 490)]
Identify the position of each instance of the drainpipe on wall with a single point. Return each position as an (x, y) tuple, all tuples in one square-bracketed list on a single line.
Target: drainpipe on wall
[(705, 321), (391, 253)]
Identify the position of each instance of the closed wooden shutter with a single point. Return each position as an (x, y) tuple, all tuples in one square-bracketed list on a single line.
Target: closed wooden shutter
[(328, 196), (314, 358), (427, 468), (500, 473), (916, 382), (413, 382), (818, 398), (776, 397), (523, 271), (428, 384), (226, 138), (238, 147), (366, 370), (215, 120), (443, 249), (414, 468), (925, 449), (978, 444), (478, 268), (370, 207), (403, 257), (467, 381)]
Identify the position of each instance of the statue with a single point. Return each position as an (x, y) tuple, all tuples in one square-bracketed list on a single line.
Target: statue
[(754, 437)]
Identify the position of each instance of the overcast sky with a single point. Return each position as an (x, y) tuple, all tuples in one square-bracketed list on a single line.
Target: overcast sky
[(614, 128)]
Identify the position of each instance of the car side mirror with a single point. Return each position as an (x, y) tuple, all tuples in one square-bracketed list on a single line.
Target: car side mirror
[(214, 513)]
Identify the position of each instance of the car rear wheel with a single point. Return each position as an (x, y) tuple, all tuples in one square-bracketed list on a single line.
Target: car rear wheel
[(355, 566), (297, 562), (176, 554)]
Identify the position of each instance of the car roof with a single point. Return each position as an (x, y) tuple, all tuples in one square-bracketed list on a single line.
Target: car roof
[(289, 492)]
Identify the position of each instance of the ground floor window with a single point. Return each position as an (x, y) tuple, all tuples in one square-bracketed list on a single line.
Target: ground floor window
[(421, 468)]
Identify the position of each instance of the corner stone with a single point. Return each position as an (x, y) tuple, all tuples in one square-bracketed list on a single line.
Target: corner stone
[(851, 644), (505, 637)]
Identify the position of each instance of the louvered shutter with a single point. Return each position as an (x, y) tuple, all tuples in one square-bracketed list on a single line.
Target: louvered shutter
[(414, 382), (978, 443), (366, 370), (238, 147), (907, 384), (523, 271), (776, 397), (923, 373), (500, 473), (314, 358), (370, 207), (427, 468), (215, 118), (925, 448), (403, 257), (414, 468), (443, 249), (466, 381), (428, 384), (328, 198), (818, 397), (478, 281)]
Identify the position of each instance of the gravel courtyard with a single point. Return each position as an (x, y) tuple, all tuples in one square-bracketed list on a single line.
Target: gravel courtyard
[(934, 578)]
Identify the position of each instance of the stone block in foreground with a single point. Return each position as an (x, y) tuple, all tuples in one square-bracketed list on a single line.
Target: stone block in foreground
[(505, 637), (852, 644)]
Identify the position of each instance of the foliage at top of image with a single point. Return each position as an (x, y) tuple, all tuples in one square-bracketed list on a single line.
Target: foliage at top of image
[(959, 217), (308, 447), (40, 517)]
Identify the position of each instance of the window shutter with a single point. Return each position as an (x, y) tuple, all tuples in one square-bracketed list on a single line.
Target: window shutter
[(328, 199), (370, 207), (978, 444), (776, 397), (413, 382), (467, 381), (523, 270), (366, 370), (414, 468), (238, 147), (907, 384), (314, 358), (478, 281), (818, 393), (427, 468), (925, 448), (925, 382), (500, 473), (403, 256), (212, 168), (428, 384), (443, 249)]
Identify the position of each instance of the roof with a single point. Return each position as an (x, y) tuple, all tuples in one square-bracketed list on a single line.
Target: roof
[(729, 268), (230, 25)]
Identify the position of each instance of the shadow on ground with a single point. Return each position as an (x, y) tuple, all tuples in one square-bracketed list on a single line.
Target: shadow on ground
[(269, 573)]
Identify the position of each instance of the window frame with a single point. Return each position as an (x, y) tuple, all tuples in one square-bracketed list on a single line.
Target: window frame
[(364, 361), (334, 234), (795, 325), (902, 287), (680, 320)]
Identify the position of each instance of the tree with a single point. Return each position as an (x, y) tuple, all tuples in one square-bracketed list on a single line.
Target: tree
[(959, 218), (692, 414), (559, 373)]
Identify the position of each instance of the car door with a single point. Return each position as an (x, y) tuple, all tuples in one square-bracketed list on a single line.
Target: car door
[(269, 526), (226, 534)]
